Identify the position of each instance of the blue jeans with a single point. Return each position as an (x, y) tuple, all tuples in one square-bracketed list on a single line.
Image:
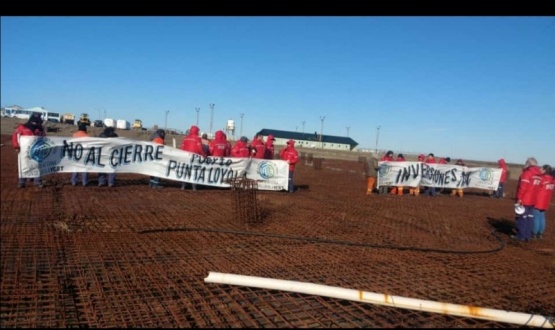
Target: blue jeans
[(539, 222), (499, 192), (84, 178), (524, 224), (290, 185), (431, 191), (102, 179)]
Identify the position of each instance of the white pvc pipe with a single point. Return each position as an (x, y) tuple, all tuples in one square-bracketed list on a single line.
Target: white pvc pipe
[(383, 299)]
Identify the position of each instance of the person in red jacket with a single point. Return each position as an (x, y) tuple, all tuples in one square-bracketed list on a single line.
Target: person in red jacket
[(241, 149), (431, 191), (33, 127), (388, 157), (192, 143), (219, 146), (499, 193), (257, 147), (269, 151), (158, 137), (526, 195), (291, 156), (547, 184), (444, 160), (81, 132)]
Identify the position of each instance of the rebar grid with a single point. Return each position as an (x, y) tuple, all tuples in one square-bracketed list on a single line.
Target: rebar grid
[(245, 208), (81, 257)]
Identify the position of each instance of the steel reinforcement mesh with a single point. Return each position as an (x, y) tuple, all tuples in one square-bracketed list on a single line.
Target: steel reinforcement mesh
[(131, 256)]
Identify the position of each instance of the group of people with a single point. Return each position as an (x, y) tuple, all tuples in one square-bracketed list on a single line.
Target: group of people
[(221, 147), (34, 127), (192, 142), (372, 170), (534, 192), (103, 178)]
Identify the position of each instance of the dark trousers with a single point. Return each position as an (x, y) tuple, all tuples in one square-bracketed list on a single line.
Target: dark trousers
[(524, 224)]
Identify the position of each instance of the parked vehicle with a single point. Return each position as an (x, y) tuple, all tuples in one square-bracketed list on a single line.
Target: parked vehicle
[(68, 118), (98, 123), (137, 124), (123, 124), (109, 122)]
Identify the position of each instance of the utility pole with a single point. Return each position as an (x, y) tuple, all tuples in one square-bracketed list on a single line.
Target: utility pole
[(348, 128), (241, 130), (211, 116), (377, 138), (322, 131), (198, 110), (166, 122)]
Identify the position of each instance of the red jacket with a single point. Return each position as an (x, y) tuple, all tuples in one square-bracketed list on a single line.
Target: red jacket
[(386, 158), (260, 148), (240, 149), (430, 160), (545, 192), (22, 129), (400, 159), (504, 170), (289, 153), (193, 142), (219, 146), (80, 134), (442, 161), (528, 185)]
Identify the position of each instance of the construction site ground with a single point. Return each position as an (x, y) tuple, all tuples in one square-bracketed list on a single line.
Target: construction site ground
[(132, 256)]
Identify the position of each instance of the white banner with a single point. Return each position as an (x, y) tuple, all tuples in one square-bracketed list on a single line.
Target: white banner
[(413, 174), (41, 156)]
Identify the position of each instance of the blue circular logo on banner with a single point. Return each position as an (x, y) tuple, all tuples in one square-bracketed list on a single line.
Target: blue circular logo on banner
[(266, 170), (486, 174), (384, 169), (40, 149)]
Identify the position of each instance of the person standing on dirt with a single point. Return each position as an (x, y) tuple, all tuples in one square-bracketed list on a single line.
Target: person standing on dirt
[(458, 191), (291, 156), (547, 184), (241, 149), (192, 143), (399, 189), (526, 195), (416, 190), (499, 193), (371, 173), (431, 191), (33, 127), (158, 137), (388, 157), (257, 147), (269, 151), (80, 133), (109, 132), (219, 147)]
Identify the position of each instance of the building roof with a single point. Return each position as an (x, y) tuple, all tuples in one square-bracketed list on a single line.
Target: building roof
[(308, 137)]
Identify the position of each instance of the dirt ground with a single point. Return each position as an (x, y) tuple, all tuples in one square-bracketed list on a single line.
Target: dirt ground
[(131, 256)]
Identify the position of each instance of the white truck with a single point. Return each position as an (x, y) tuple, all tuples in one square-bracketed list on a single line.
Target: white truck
[(108, 122), (123, 124)]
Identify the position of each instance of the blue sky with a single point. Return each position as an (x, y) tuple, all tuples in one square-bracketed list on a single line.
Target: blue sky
[(477, 88)]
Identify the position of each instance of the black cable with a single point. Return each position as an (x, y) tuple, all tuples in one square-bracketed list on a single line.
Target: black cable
[(327, 241)]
